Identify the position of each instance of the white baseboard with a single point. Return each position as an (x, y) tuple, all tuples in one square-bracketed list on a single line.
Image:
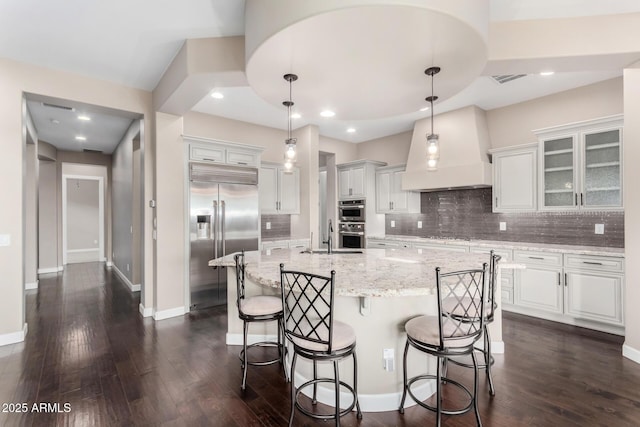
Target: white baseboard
[(131, 286), (146, 312), (236, 339), (497, 347), (32, 285), (14, 337), (50, 270), (369, 402), (166, 314), (631, 353)]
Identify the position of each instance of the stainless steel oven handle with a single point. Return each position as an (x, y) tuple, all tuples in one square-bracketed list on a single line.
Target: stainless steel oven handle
[(352, 233)]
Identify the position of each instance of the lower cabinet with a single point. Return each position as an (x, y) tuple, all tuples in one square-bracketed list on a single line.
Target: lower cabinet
[(584, 290)]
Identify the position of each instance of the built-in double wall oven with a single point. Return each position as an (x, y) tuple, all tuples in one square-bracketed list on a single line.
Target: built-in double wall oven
[(352, 223)]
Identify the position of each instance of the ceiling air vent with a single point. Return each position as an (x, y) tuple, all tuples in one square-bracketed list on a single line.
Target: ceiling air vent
[(86, 150), (60, 107), (506, 78)]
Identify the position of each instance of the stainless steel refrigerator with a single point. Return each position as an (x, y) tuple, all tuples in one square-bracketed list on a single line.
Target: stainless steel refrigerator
[(224, 218)]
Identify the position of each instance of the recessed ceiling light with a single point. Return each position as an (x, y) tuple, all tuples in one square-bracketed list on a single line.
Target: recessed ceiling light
[(424, 108), (351, 130), (81, 138), (295, 116), (84, 118), (327, 113), (217, 95), (547, 73)]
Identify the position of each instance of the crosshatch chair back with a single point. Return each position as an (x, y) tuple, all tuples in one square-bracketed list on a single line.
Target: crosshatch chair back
[(464, 319), (307, 300), (240, 266)]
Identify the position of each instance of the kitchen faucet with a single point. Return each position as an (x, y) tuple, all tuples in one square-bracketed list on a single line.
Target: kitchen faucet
[(328, 241)]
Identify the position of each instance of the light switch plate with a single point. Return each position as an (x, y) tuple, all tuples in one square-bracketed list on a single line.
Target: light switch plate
[(599, 229), (419, 224), (503, 226), (5, 239), (393, 224)]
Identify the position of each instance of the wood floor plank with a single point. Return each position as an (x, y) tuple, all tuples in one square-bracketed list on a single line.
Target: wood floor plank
[(88, 346)]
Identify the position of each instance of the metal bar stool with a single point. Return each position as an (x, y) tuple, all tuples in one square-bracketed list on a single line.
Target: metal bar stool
[(260, 308), (449, 333), (309, 325), (491, 306)]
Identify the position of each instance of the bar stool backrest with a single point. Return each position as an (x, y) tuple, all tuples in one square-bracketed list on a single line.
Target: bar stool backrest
[(463, 320), (307, 300), (240, 266)]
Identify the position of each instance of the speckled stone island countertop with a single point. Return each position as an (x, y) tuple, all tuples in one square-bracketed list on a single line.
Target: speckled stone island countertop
[(373, 273), (500, 244)]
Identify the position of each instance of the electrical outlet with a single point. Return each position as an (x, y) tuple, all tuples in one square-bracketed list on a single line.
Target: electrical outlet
[(5, 239), (393, 224), (599, 229), (268, 225), (503, 226), (388, 359), (419, 224)]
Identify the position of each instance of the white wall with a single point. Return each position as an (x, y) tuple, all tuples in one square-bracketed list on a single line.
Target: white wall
[(392, 149), (83, 220), (122, 202), (48, 219)]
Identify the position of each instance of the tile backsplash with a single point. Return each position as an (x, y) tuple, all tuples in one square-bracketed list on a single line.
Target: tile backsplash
[(280, 226), (466, 214)]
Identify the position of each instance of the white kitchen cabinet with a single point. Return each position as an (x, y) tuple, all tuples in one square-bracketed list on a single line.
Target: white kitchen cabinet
[(515, 178), (584, 290), (223, 152), (356, 180), (390, 198), (580, 165), (382, 244), (593, 288), (279, 190)]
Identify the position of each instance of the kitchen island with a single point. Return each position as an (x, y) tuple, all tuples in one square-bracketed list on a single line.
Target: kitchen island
[(376, 292)]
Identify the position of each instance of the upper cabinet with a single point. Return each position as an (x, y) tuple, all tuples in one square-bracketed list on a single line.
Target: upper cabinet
[(389, 195), (580, 165), (514, 178), (279, 189), (356, 180), (223, 152)]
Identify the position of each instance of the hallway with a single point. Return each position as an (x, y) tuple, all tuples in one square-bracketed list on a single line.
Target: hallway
[(88, 346)]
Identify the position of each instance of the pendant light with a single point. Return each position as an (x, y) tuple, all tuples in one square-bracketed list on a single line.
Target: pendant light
[(433, 144), (290, 154)]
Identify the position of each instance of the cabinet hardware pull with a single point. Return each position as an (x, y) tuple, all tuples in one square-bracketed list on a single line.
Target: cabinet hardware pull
[(576, 199), (565, 279), (559, 279), (243, 163), (389, 205), (496, 202), (592, 262), (582, 199), (210, 160), (536, 257)]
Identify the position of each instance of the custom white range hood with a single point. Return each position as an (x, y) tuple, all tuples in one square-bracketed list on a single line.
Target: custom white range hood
[(464, 162)]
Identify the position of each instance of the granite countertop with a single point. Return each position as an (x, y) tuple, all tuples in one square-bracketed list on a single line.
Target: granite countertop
[(500, 244), (373, 273)]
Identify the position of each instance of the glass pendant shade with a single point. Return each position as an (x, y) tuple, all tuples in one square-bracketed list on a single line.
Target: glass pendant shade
[(433, 142), (290, 153)]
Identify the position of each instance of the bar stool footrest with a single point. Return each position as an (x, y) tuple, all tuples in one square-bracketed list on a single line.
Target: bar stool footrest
[(481, 365), (261, 362), (448, 381), (325, 416)]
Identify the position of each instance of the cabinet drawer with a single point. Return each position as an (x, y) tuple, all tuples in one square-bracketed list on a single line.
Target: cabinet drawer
[(207, 154), (541, 258), (382, 244), (241, 157), (505, 254), (299, 243), (599, 263), (506, 282), (441, 247)]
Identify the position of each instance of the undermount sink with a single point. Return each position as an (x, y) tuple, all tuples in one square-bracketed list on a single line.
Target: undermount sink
[(334, 251)]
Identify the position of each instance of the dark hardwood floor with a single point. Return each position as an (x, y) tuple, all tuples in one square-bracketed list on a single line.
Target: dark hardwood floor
[(89, 347)]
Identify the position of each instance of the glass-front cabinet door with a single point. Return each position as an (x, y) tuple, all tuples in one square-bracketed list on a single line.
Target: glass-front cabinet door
[(602, 176), (559, 173)]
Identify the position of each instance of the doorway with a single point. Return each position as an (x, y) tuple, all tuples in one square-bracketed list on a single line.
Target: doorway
[(82, 219)]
